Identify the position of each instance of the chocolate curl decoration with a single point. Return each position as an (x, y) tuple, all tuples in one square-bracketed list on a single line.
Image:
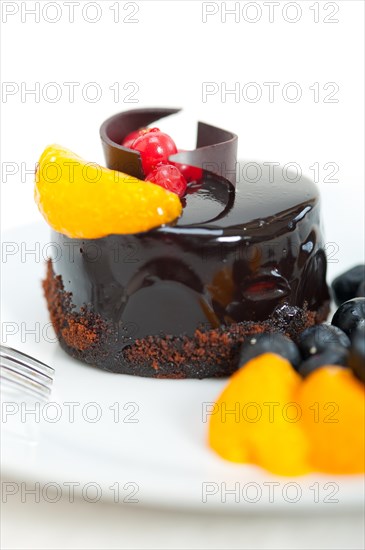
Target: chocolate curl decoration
[(216, 149)]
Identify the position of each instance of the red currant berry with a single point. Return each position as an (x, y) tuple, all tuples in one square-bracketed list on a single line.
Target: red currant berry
[(132, 136), (169, 177), (190, 173), (155, 148)]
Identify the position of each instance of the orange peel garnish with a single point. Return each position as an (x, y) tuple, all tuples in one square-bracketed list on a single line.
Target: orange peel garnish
[(84, 200)]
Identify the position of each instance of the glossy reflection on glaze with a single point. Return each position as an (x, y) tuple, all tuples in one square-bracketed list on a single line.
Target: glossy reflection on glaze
[(232, 256)]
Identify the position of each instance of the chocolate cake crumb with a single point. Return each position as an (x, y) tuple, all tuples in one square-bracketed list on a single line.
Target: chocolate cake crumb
[(78, 335), (208, 353), (219, 347), (81, 330)]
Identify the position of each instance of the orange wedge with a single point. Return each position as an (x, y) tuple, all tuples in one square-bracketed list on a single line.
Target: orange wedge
[(333, 403), (84, 200), (256, 419)]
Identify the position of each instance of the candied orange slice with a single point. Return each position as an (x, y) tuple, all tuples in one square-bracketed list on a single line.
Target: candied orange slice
[(256, 420), (84, 200), (333, 403)]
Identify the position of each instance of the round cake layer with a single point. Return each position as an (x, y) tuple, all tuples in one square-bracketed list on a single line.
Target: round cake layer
[(178, 300)]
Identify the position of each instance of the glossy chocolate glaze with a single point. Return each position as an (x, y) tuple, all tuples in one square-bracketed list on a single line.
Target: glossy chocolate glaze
[(234, 255)]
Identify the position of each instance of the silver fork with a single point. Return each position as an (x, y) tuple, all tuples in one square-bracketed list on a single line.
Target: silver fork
[(26, 372)]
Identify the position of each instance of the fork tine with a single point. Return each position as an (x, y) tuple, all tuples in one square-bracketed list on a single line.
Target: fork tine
[(26, 360), (24, 381), (14, 366), (9, 381)]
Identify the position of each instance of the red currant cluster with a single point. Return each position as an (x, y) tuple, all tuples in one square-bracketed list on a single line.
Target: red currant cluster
[(155, 148)]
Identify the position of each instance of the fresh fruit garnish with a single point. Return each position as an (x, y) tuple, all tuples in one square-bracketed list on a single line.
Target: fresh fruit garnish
[(132, 136), (267, 415), (332, 402), (83, 200), (155, 148), (252, 419), (274, 342), (356, 360), (318, 338), (333, 355), (169, 177), (346, 285), (190, 173), (350, 315)]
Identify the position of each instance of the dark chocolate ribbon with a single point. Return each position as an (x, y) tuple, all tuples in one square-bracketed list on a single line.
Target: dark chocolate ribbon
[(216, 149)]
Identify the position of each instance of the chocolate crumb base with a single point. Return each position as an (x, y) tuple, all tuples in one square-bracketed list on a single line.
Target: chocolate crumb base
[(208, 353)]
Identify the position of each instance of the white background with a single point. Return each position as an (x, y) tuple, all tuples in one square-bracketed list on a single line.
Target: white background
[(169, 53)]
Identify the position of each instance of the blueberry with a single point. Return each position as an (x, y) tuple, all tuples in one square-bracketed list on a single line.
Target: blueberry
[(361, 290), (334, 355), (350, 315), (269, 342), (345, 286), (356, 359), (319, 338)]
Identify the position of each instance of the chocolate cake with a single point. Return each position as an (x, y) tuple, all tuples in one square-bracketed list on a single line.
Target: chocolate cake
[(178, 300)]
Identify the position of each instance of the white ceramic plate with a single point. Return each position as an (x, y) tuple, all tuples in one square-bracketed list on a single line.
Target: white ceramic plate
[(149, 443)]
